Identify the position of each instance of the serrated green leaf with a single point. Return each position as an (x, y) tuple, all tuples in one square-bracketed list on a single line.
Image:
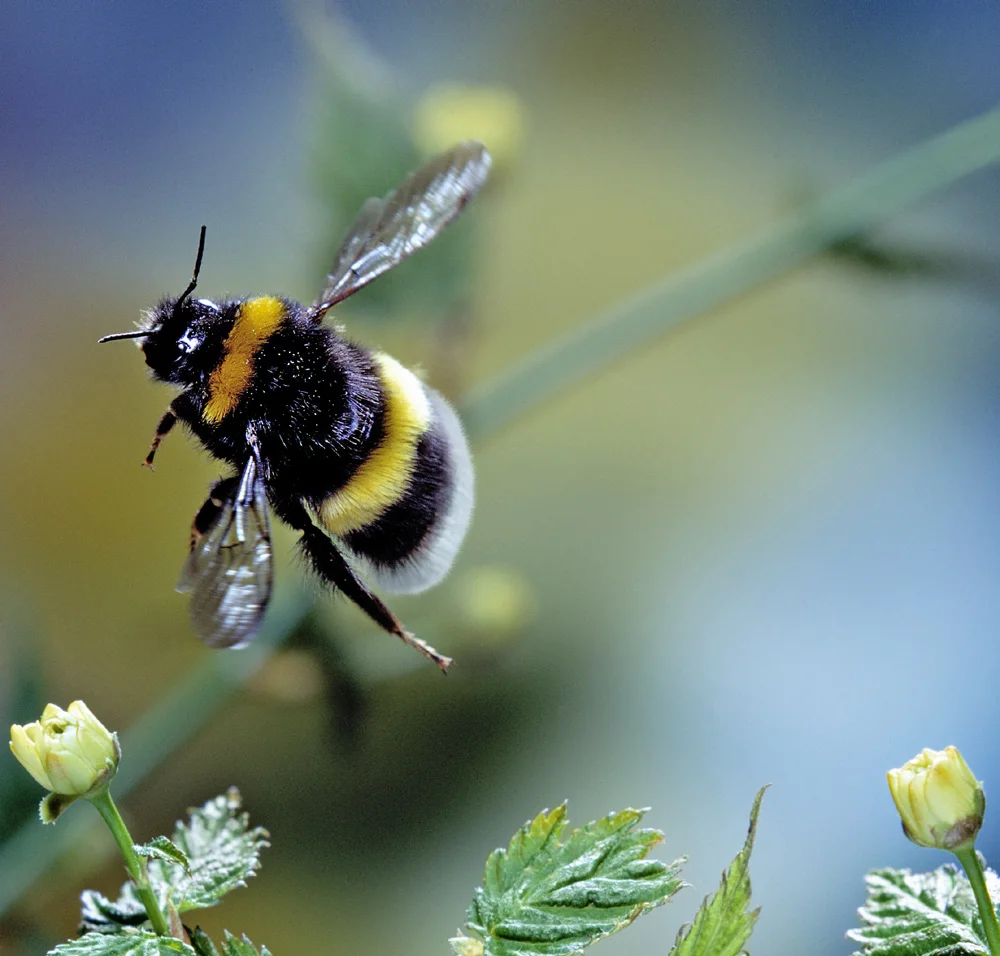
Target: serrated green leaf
[(99, 914), (216, 851), (724, 920), (161, 848), (222, 852), (231, 946), (202, 943), (544, 897), (129, 942), (914, 914)]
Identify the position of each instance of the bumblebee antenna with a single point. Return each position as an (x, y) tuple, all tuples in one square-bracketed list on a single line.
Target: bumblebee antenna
[(193, 284), (137, 334)]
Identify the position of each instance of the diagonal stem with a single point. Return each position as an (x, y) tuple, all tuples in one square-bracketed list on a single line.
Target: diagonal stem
[(136, 868)]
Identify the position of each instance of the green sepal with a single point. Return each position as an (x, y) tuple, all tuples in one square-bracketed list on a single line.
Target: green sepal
[(914, 914), (549, 896), (54, 804), (724, 920)]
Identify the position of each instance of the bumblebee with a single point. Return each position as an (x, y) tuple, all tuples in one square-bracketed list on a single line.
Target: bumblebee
[(342, 442)]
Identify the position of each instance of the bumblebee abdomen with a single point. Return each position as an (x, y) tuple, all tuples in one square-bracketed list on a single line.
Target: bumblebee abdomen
[(406, 507)]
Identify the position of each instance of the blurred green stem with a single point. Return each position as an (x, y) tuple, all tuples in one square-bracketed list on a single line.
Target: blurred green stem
[(974, 871), (136, 867), (685, 295), (893, 186)]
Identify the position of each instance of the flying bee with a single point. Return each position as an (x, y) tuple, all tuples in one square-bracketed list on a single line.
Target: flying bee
[(343, 443)]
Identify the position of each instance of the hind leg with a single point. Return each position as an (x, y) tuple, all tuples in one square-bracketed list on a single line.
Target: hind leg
[(331, 566)]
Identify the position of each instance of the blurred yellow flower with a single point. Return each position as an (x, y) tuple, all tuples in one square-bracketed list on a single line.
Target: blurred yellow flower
[(494, 603), (939, 800), (450, 113), (69, 752)]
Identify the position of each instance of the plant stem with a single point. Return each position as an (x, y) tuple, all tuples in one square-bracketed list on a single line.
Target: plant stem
[(136, 867), (688, 293), (987, 912)]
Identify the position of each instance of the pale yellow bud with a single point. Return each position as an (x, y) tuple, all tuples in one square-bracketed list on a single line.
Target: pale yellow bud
[(939, 800), (462, 945), (69, 752), (450, 113)]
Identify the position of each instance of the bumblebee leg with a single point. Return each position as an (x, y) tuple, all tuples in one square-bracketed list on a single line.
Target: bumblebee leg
[(330, 565), (209, 511), (167, 422)]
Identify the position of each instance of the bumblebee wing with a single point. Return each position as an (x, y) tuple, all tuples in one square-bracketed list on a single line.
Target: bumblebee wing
[(388, 230), (229, 569)]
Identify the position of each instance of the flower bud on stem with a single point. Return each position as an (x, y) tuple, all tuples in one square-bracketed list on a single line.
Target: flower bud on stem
[(941, 805), (135, 866)]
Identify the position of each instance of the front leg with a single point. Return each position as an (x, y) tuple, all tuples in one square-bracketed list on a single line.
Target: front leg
[(167, 422), (330, 564)]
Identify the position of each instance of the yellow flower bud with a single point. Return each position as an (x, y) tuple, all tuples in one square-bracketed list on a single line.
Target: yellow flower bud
[(939, 800), (69, 752)]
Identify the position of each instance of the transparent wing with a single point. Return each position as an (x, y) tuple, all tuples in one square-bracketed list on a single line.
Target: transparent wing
[(229, 569), (388, 230)]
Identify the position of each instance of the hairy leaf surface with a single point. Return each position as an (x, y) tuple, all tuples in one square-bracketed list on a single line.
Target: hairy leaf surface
[(915, 914), (128, 942), (549, 896)]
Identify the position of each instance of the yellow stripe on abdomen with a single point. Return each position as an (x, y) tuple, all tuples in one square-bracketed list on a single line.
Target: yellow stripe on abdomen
[(256, 321), (383, 477)]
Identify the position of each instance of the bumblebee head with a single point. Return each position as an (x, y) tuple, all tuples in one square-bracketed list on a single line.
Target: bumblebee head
[(181, 341), (177, 331)]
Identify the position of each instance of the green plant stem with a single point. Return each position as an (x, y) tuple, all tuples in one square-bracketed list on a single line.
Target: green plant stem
[(688, 293), (136, 867), (974, 871)]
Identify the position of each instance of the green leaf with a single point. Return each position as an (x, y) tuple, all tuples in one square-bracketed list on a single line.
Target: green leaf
[(551, 897), (221, 850), (724, 920), (202, 943), (160, 848), (912, 914), (231, 946), (104, 916), (129, 942)]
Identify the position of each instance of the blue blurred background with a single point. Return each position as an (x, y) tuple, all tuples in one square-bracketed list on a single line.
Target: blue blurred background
[(761, 551)]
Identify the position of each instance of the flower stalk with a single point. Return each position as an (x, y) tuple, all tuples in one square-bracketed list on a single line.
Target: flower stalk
[(136, 867), (973, 867)]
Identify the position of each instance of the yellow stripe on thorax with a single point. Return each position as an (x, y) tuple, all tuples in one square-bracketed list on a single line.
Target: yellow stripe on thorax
[(383, 477), (256, 321)]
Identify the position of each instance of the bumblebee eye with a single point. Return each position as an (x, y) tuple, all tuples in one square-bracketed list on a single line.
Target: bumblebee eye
[(208, 304), (188, 342)]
